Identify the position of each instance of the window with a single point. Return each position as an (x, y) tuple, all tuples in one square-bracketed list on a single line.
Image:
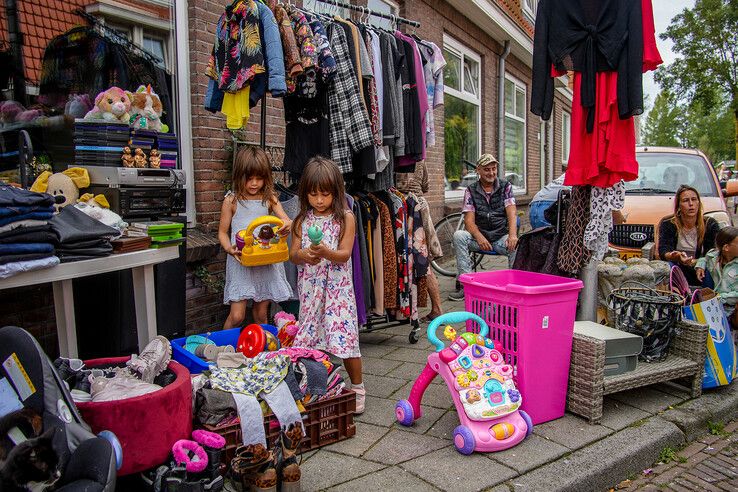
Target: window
[(156, 46), (324, 8), (515, 111), (565, 136), (462, 115), (530, 7), (385, 7)]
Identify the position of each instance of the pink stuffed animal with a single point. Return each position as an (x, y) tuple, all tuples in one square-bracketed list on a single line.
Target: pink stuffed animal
[(111, 105)]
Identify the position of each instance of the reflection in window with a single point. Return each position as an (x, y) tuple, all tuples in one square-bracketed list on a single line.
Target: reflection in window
[(155, 46), (461, 131), (565, 135), (452, 72), (515, 108)]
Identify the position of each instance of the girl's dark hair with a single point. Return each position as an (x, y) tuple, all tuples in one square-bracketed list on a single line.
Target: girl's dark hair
[(321, 174), (678, 215), (724, 237), (250, 162)]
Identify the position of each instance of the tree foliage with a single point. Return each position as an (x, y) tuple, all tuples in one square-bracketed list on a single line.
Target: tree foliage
[(662, 121)]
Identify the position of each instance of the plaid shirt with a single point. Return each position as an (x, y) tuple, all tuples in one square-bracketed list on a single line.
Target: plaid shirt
[(350, 130), (725, 278)]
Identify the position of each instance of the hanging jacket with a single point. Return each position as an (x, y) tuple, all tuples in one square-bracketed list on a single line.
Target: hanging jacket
[(273, 48), (326, 62), (289, 44)]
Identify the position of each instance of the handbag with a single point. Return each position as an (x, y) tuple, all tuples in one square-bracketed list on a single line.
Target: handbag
[(721, 357)]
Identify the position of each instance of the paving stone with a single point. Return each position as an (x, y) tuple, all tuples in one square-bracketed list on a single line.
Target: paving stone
[(572, 432), (448, 469), (617, 415), (701, 484), (695, 458), (402, 342), (691, 450), (648, 399), (533, 452), (378, 367), (731, 427), (708, 474), (421, 426), (709, 439), (366, 436), (716, 447), (406, 354), (406, 370), (382, 386), (379, 411), (444, 427), (392, 478), (376, 350), (436, 395), (721, 468), (326, 469), (373, 338), (398, 446)]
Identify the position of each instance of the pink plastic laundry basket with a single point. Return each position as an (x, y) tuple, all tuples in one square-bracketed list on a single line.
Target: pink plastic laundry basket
[(532, 315)]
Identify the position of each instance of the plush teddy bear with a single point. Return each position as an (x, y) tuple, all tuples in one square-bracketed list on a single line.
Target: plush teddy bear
[(98, 207), (146, 109), (111, 105), (66, 183)]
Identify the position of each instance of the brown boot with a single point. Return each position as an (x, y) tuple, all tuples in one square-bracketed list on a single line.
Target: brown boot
[(286, 457), (255, 465)]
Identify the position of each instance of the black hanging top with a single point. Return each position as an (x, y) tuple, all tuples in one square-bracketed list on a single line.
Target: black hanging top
[(589, 36)]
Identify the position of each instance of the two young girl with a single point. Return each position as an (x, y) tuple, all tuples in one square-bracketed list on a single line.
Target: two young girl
[(328, 319)]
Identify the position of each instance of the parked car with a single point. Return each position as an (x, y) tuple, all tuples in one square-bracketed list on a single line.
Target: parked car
[(650, 198)]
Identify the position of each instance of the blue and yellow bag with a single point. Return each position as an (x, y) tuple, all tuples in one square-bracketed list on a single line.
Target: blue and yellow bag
[(720, 360)]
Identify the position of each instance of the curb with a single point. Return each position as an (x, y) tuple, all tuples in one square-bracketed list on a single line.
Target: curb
[(610, 460)]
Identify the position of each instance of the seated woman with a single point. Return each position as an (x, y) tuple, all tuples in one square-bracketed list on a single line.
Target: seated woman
[(722, 265), (687, 235)]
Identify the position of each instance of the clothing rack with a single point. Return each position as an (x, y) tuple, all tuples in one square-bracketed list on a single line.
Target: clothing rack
[(370, 12), (115, 37)]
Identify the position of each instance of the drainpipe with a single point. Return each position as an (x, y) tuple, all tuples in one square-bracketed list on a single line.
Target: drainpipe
[(16, 45), (501, 109)]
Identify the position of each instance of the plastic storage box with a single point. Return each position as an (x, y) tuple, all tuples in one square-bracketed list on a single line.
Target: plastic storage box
[(326, 422), (621, 348), (532, 316)]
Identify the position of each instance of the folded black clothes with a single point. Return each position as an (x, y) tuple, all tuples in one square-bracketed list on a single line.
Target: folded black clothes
[(40, 234), (85, 243), (11, 258), (96, 252), (10, 196), (39, 215), (71, 224)]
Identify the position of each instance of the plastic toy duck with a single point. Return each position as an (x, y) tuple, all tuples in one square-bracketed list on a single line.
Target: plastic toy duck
[(449, 333)]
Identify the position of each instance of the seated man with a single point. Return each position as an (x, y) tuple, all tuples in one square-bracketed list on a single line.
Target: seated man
[(489, 217)]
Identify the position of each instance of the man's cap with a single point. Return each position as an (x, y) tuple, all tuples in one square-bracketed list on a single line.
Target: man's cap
[(486, 160)]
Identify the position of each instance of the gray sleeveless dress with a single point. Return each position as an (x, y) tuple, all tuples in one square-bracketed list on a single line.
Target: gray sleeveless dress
[(259, 283)]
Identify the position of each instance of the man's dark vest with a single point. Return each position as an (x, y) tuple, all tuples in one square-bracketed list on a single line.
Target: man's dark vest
[(490, 217)]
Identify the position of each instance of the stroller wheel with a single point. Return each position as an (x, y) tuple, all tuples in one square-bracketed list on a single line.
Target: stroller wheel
[(464, 440), (117, 448), (404, 413), (414, 336), (528, 422)]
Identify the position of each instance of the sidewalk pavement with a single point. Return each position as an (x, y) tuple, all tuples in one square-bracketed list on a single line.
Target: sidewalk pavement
[(565, 454)]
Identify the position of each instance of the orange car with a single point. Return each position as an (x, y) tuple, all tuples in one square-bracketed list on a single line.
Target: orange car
[(650, 198)]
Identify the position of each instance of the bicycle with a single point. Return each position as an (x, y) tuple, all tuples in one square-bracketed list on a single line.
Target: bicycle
[(445, 228)]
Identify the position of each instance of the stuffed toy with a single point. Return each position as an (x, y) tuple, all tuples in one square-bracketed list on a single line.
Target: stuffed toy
[(9, 111), (78, 105), (97, 207), (66, 183), (111, 105), (146, 110), (287, 326)]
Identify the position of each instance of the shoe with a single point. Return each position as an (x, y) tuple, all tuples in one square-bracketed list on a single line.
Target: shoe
[(68, 369), (429, 317), (360, 400), (255, 465), (152, 360), (285, 456), (457, 295)]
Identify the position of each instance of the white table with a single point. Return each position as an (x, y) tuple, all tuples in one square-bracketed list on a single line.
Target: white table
[(141, 264)]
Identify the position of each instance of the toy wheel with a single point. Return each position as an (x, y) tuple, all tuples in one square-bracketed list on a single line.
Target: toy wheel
[(528, 422), (414, 336), (404, 413), (115, 443), (464, 440)]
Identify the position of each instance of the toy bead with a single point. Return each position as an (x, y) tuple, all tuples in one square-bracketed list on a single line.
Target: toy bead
[(315, 235), (463, 380)]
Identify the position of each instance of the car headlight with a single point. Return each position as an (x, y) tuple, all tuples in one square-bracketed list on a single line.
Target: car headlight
[(722, 218)]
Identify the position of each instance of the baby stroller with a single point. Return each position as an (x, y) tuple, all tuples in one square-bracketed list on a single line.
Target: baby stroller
[(88, 462)]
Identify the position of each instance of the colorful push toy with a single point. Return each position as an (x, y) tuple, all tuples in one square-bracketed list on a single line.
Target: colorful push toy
[(255, 339), (260, 244), (480, 383)]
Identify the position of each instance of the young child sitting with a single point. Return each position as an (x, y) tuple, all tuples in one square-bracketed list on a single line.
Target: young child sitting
[(722, 265)]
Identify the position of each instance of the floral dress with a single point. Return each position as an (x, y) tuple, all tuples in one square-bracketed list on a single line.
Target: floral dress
[(328, 319)]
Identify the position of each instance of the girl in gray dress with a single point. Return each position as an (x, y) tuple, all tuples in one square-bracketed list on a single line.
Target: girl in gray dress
[(251, 197)]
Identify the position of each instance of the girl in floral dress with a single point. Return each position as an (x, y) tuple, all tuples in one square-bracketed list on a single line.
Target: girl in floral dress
[(328, 319)]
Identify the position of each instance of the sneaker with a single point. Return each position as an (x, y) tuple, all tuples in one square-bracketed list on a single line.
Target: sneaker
[(457, 295), (360, 400), (152, 360)]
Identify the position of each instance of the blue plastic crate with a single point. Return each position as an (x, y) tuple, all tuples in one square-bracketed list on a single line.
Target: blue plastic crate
[(224, 337)]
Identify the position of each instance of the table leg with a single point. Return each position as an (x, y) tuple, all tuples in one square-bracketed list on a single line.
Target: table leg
[(66, 327), (144, 294)]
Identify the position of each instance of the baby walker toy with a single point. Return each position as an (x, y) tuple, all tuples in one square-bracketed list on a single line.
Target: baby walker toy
[(260, 244), (481, 386)]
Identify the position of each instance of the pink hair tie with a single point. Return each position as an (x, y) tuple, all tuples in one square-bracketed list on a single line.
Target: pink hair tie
[(191, 454), (209, 439)]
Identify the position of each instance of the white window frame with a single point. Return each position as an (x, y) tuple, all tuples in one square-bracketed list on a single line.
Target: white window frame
[(565, 136), (530, 7), (165, 44), (519, 84), (463, 51), (394, 8)]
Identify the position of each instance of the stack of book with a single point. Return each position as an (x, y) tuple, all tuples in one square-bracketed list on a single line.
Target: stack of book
[(128, 244), (142, 139), (168, 149), (162, 232), (99, 142)]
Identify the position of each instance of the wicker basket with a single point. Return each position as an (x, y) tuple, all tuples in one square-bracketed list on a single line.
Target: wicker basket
[(647, 312)]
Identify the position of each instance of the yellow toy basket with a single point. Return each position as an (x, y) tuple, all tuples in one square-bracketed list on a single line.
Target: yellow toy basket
[(264, 248)]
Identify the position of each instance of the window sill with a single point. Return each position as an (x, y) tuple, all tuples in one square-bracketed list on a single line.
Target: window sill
[(201, 246)]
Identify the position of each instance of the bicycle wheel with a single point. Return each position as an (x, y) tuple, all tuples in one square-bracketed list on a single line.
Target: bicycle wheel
[(445, 228)]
